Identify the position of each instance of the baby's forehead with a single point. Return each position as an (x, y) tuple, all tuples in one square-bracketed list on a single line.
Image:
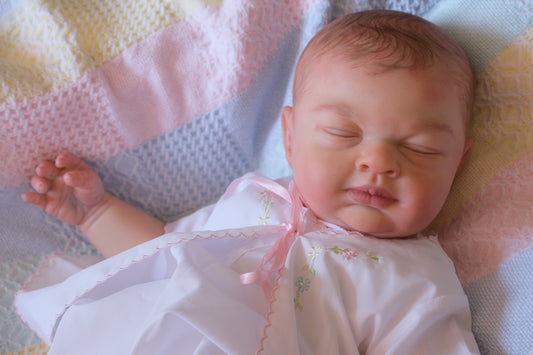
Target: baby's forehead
[(320, 62), (315, 60), (326, 64)]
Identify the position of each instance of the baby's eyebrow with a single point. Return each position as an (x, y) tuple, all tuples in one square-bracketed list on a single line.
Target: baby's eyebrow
[(342, 111), (345, 112), (435, 126), (341, 108)]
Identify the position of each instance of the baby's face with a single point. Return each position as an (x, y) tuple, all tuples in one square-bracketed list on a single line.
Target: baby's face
[(375, 153)]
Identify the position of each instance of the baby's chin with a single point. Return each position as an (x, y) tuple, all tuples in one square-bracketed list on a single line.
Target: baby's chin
[(384, 225), (374, 222), (380, 232), (390, 236)]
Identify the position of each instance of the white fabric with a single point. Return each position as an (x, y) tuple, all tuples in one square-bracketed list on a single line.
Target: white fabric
[(339, 293)]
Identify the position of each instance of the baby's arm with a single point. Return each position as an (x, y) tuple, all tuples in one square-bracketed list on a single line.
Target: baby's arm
[(71, 191)]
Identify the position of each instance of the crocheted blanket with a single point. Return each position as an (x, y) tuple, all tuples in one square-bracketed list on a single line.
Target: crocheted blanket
[(169, 101)]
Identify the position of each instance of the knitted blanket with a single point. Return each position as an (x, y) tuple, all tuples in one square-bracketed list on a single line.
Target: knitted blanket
[(169, 101)]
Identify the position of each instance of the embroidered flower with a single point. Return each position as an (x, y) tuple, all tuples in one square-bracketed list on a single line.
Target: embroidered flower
[(349, 254), (315, 251), (303, 282), (303, 285), (266, 194), (266, 202), (346, 253)]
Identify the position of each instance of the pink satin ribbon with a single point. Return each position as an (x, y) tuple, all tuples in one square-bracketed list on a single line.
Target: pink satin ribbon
[(274, 260)]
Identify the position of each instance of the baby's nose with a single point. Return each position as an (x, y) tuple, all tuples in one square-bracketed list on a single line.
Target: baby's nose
[(378, 157)]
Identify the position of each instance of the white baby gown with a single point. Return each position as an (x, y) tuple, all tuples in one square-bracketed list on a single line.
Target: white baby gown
[(265, 277)]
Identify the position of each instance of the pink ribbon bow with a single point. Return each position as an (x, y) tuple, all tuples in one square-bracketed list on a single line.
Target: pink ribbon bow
[(274, 260)]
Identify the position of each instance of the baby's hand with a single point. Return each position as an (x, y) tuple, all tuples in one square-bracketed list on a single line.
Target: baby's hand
[(67, 189)]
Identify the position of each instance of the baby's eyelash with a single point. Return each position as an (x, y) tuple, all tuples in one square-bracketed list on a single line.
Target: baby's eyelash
[(342, 133), (422, 149)]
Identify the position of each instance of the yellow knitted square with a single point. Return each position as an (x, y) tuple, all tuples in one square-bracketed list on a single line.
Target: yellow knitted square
[(45, 43)]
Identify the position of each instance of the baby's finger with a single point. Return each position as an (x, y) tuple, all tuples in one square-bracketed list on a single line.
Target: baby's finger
[(78, 178), (35, 199), (47, 170), (40, 184), (67, 160)]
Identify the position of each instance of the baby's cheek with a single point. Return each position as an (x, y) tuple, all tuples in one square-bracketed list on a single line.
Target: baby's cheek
[(430, 207), (421, 202)]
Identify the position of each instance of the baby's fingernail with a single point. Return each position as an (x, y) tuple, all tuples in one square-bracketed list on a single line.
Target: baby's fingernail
[(68, 178)]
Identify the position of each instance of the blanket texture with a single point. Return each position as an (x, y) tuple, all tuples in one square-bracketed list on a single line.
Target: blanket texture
[(169, 101)]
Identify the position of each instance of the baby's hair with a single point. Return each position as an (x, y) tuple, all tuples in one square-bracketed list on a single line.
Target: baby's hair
[(389, 40)]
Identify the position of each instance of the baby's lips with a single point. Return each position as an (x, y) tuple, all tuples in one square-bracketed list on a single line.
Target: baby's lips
[(372, 196)]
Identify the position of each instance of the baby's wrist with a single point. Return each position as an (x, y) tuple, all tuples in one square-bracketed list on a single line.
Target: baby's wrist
[(94, 213)]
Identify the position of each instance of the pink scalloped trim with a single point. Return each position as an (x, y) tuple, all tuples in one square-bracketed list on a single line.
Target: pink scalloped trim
[(270, 312)]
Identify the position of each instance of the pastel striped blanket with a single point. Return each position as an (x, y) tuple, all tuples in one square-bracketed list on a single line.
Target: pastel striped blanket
[(170, 101)]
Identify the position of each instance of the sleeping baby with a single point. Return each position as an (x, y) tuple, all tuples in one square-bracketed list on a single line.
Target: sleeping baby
[(333, 260)]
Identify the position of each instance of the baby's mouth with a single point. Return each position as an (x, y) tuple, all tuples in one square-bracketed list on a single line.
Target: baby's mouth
[(372, 196)]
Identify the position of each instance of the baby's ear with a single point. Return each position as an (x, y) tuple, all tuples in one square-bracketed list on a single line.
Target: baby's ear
[(468, 145), (287, 125)]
